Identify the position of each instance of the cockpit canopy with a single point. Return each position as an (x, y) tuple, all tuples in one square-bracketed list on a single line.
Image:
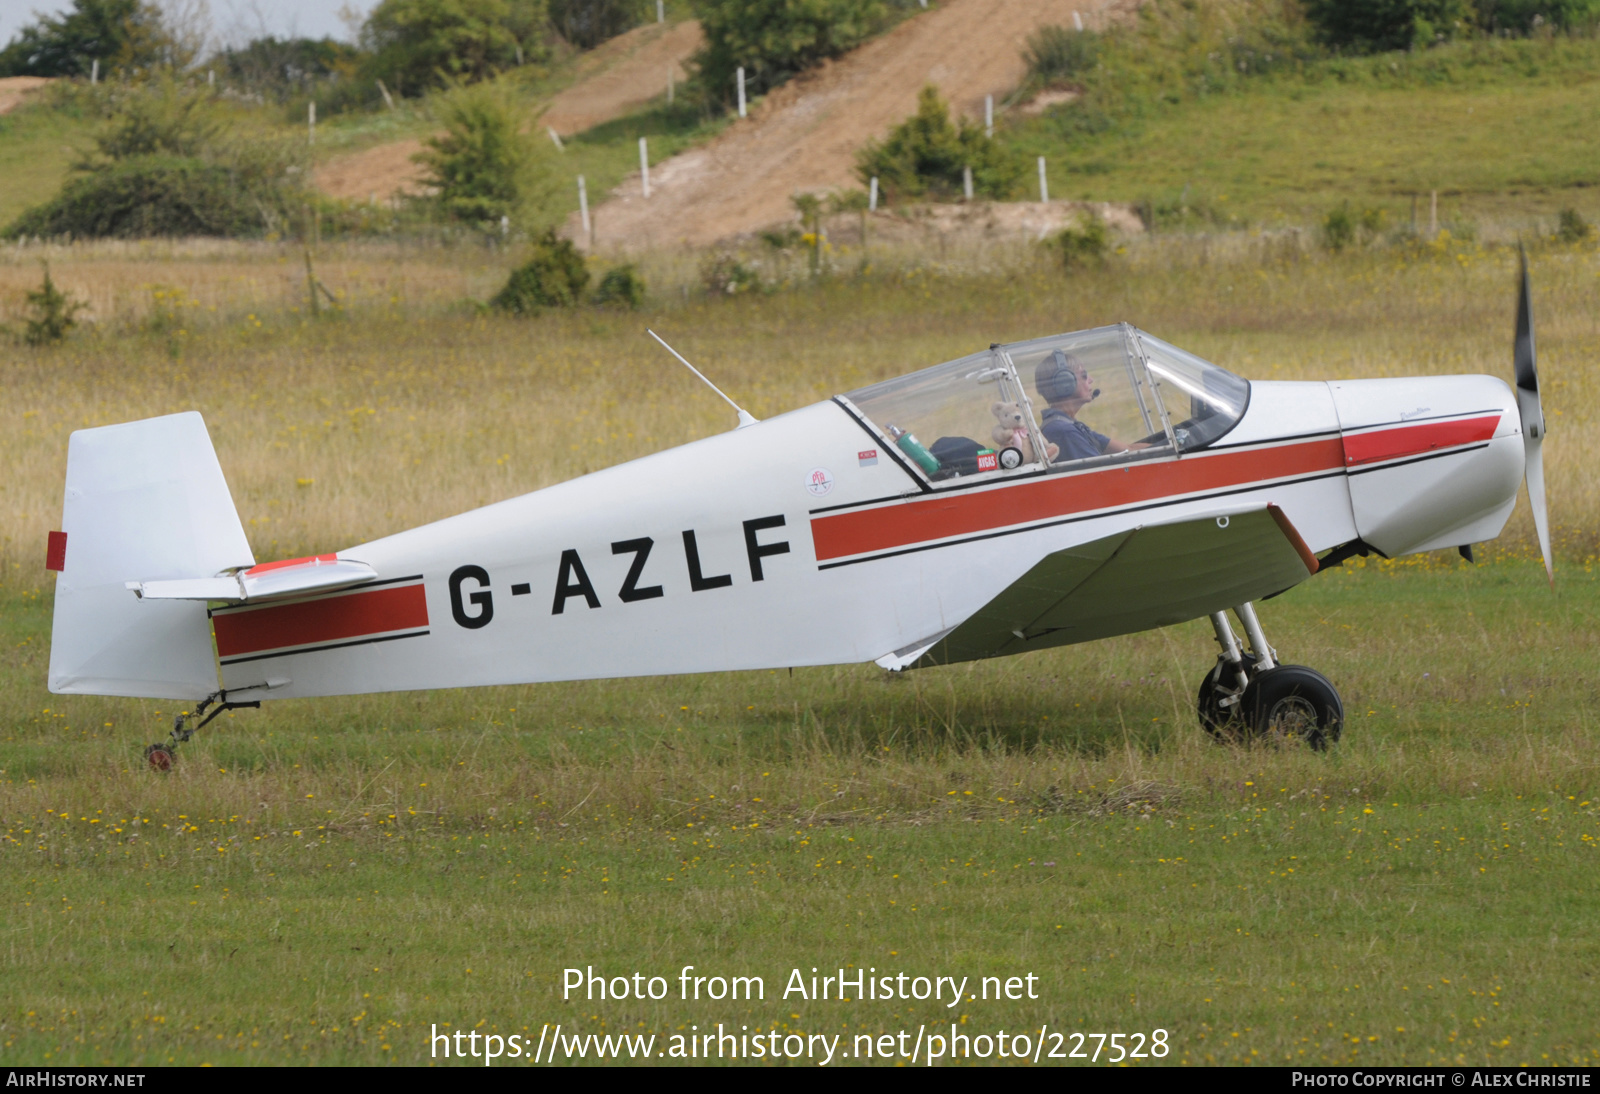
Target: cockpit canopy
[(1064, 402)]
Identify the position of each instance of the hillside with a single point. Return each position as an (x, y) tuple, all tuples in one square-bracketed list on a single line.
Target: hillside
[(804, 136)]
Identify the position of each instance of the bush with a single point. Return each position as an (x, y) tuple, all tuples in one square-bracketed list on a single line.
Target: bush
[(1056, 55), (1343, 226), (1374, 26), (621, 286), (1524, 16), (53, 313), (774, 40), (587, 23), (925, 157), (554, 277), (725, 275), (481, 167), (1082, 245), (1572, 228), (419, 44), (146, 196)]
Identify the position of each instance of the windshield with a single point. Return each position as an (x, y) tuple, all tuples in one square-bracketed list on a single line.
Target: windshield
[(1111, 393), (1207, 399)]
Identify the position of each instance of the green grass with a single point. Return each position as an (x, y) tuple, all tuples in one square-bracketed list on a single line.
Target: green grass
[(1497, 128), (322, 882), (316, 862), (37, 147)]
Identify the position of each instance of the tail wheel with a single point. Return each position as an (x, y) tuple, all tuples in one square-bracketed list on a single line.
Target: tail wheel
[(1292, 702), (159, 757)]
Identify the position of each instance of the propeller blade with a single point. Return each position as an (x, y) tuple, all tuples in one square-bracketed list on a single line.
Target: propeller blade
[(1525, 364)]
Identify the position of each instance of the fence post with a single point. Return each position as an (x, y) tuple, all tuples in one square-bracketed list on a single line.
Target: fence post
[(669, 83), (387, 98), (94, 73), (661, 11), (1044, 184), (555, 138), (1077, 20), (872, 196), (741, 90), (311, 121), (644, 165), (988, 115), (966, 182)]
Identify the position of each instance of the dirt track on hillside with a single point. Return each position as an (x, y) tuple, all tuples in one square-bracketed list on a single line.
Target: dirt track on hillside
[(14, 88), (804, 136), (627, 72), (617, 77)]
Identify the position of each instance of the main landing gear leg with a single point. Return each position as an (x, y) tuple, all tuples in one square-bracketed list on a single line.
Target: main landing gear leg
[(1248, 693), (161, 756)]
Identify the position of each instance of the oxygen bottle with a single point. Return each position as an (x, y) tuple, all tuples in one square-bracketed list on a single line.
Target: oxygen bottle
[(908, 444)]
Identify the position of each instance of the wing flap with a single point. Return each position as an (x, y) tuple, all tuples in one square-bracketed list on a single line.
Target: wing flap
[(1152, 576)]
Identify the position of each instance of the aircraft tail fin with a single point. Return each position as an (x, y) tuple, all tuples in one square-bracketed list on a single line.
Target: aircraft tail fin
[(145, 501)]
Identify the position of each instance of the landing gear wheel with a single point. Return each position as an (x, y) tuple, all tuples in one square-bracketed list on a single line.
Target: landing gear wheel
[(1222, 722), (159, 757), (1293, 702)]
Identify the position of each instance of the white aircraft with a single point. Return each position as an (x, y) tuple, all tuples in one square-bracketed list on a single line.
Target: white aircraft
[(1029, 495)]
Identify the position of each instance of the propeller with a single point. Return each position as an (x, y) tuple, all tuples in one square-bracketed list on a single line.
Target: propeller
[(1524, 361)]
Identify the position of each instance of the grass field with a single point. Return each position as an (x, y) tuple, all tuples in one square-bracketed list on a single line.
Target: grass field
[(1419, 894)]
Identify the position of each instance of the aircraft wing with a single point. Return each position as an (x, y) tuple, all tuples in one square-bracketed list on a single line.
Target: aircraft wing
[(1150, 576)]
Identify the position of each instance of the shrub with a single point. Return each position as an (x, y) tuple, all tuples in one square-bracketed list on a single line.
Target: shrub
[(1524, 16), (774, 40), (1339, 229), (554, 277), (1373, 26), (725, 275), (926, 154), (53, 313), (587, 23), (146, 196), (621, 286), (1056, 55), (418, 44), (1083, 244), (479, 168), (1572, 228)]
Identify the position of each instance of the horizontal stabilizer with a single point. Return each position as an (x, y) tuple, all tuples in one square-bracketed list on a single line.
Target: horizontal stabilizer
[(1152, 576), (268, 581)]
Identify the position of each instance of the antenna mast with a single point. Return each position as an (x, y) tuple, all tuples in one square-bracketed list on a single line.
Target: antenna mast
[(745, 417)]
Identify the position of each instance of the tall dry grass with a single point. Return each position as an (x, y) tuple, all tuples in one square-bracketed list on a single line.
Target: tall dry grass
[(408, 403)]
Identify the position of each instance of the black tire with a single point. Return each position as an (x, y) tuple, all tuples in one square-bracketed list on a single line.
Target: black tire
[(1219, 721), (1294, 702)]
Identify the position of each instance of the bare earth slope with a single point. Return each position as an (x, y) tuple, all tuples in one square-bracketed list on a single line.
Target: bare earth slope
[(13, 88), (617, 77), (804, 136), (624, 74)]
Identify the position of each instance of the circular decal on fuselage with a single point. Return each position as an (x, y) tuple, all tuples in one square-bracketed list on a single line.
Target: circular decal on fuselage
[(819, 481)]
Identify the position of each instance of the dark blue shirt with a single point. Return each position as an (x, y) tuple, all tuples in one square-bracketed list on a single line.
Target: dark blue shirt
[(1076, 440)]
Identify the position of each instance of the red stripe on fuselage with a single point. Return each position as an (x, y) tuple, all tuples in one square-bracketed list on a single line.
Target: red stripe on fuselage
[(309, 560), (1413, 440), (333, 619), (944, 515)]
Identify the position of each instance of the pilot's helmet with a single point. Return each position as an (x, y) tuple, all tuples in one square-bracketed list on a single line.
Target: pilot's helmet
[(1057, 376)]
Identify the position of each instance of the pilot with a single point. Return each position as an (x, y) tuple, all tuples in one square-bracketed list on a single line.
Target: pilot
[(1064, 383)]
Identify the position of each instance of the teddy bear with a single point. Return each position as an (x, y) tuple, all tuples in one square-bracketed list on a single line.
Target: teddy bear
[(1011, 431)]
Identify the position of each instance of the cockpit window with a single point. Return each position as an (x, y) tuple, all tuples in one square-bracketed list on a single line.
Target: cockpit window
[(1112, 393), (1208, 399)]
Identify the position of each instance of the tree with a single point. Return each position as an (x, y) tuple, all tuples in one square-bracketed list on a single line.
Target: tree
[(117, 33), (926, 156), (773, 40), (1374, 26), (480, 166), (418, 44), (587, 23), (276, 65)]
